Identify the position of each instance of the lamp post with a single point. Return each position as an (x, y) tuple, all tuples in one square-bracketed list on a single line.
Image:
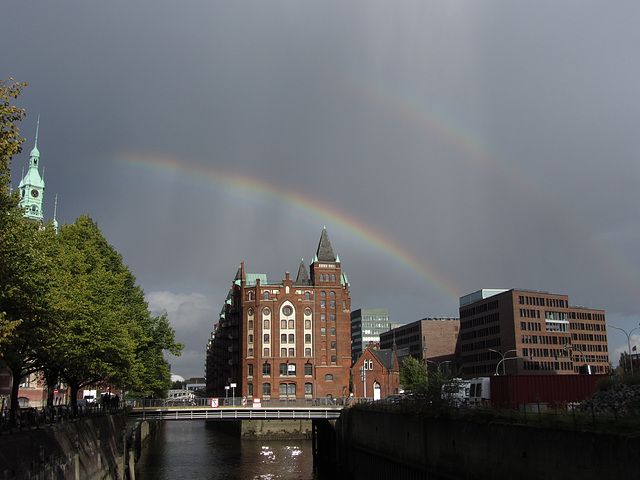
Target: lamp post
[(233, 390), (504, 357), (628, 343), (226, 394)]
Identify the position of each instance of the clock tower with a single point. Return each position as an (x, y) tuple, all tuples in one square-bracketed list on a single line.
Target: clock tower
[(32, 185)]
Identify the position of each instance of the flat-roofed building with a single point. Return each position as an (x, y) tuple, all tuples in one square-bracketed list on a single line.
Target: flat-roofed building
[(529, 332), (367, 324)]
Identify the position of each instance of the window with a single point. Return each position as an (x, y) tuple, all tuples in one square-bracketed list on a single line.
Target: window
[(266, 369), (287, 389), (292, 324), (266, 312), (250, 389), (333, 277), (250, 338), (266, 389), (321, 277), (307, 324), (323, 331), (267, 325), (333, 317), (291, 338), (283, 369), (250, 352), (307, 338), (332, 304), (250, 324), (250, 370), (287, 310), (307, 296), (334, 359), (323, 303), (307, 352), (266, 295), (283, 324), (283, 352), (292, 352), (308, 369), (266, 338), (250, 295), (370, 364), (283, 338), (328, 377), (267, 353), (323, 294), (333, 331), (291, 368), (333, 345), (308, 389), (323, 317)]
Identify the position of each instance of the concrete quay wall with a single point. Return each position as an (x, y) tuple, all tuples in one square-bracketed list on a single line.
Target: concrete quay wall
[(87, 448), (377, 445)]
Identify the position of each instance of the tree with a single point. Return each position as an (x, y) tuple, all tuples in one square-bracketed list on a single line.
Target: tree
[(10, 145), (413, 375)]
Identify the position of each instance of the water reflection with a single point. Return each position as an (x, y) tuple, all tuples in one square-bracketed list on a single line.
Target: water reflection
[(197, 450)]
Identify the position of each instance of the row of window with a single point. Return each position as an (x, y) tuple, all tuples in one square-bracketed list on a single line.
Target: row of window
[(481, 345), (286, 389), (543, 301), (491, 318), (485, 307), (481, 332), (589, 337), (588, 326)]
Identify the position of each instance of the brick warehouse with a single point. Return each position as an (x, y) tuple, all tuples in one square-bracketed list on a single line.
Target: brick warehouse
[(284, 340)]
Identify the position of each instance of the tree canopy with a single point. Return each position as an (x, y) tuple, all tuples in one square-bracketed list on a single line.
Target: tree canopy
[(69, 307)]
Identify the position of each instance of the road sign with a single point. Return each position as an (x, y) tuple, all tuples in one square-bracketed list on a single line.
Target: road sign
[(257, 403), (214, 403)]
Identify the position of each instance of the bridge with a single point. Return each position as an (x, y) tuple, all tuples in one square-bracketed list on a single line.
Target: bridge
[(235, 413), (237, 409)]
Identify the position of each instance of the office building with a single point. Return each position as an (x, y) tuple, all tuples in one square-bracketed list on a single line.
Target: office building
[(367, 324), (530, 332)]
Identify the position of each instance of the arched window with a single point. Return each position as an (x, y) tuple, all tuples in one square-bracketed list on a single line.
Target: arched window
[(321, 277), (266, 369), (250, 295), (328, 377), (266, 295), (266, 389), (307, 296), (333, 278)]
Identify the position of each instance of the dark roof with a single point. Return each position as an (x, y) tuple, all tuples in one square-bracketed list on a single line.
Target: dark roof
[(325, 252), (303, 276), (384, 356)]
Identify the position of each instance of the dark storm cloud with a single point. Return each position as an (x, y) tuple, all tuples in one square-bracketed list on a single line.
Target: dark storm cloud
[(493, 142)]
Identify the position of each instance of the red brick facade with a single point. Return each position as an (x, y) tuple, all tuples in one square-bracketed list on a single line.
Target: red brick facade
[(286, 340), (382, 374)]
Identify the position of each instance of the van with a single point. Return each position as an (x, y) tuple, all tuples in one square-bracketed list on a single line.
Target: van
[(479, 391)]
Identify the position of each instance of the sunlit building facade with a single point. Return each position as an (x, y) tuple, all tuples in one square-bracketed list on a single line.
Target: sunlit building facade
[(367, 324), (530, 332), (284, 340)]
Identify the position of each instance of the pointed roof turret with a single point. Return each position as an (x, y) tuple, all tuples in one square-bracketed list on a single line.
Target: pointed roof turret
[(303, 276), (35, 152), (325, 252)]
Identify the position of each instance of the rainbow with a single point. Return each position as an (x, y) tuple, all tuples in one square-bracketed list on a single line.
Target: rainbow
[(257, 190), (417, 113)]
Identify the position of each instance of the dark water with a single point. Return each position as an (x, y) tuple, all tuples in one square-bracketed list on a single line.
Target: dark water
[(197, 450)]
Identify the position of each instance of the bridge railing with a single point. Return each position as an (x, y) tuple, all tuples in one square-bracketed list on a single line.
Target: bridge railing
[(248, 403)]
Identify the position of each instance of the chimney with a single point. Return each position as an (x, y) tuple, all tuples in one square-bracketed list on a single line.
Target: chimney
[(371, 344), (377, 346)]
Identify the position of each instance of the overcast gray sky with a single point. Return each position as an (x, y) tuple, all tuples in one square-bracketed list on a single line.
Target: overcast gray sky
[(447, 146)]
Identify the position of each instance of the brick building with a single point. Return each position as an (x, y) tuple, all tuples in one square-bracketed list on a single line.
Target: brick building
[(530, 332), (431, 340), (376, 373), (284, 340)]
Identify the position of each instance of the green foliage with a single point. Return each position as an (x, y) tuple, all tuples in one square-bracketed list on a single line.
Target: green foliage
[(69, 307), (413, 375)]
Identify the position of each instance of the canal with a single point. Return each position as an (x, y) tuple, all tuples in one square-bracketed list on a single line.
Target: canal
[(196, 449)]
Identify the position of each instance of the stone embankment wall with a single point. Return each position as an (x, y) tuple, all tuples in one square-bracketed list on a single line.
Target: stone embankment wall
[(265, 429), (87, 449), (376, 445)]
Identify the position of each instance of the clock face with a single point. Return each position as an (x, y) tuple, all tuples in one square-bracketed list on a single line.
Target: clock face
[(34, 193)]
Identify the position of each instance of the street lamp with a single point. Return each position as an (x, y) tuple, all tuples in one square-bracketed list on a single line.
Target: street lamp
[(226, 394), (628, 343), (233, 390), (504, 357)]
